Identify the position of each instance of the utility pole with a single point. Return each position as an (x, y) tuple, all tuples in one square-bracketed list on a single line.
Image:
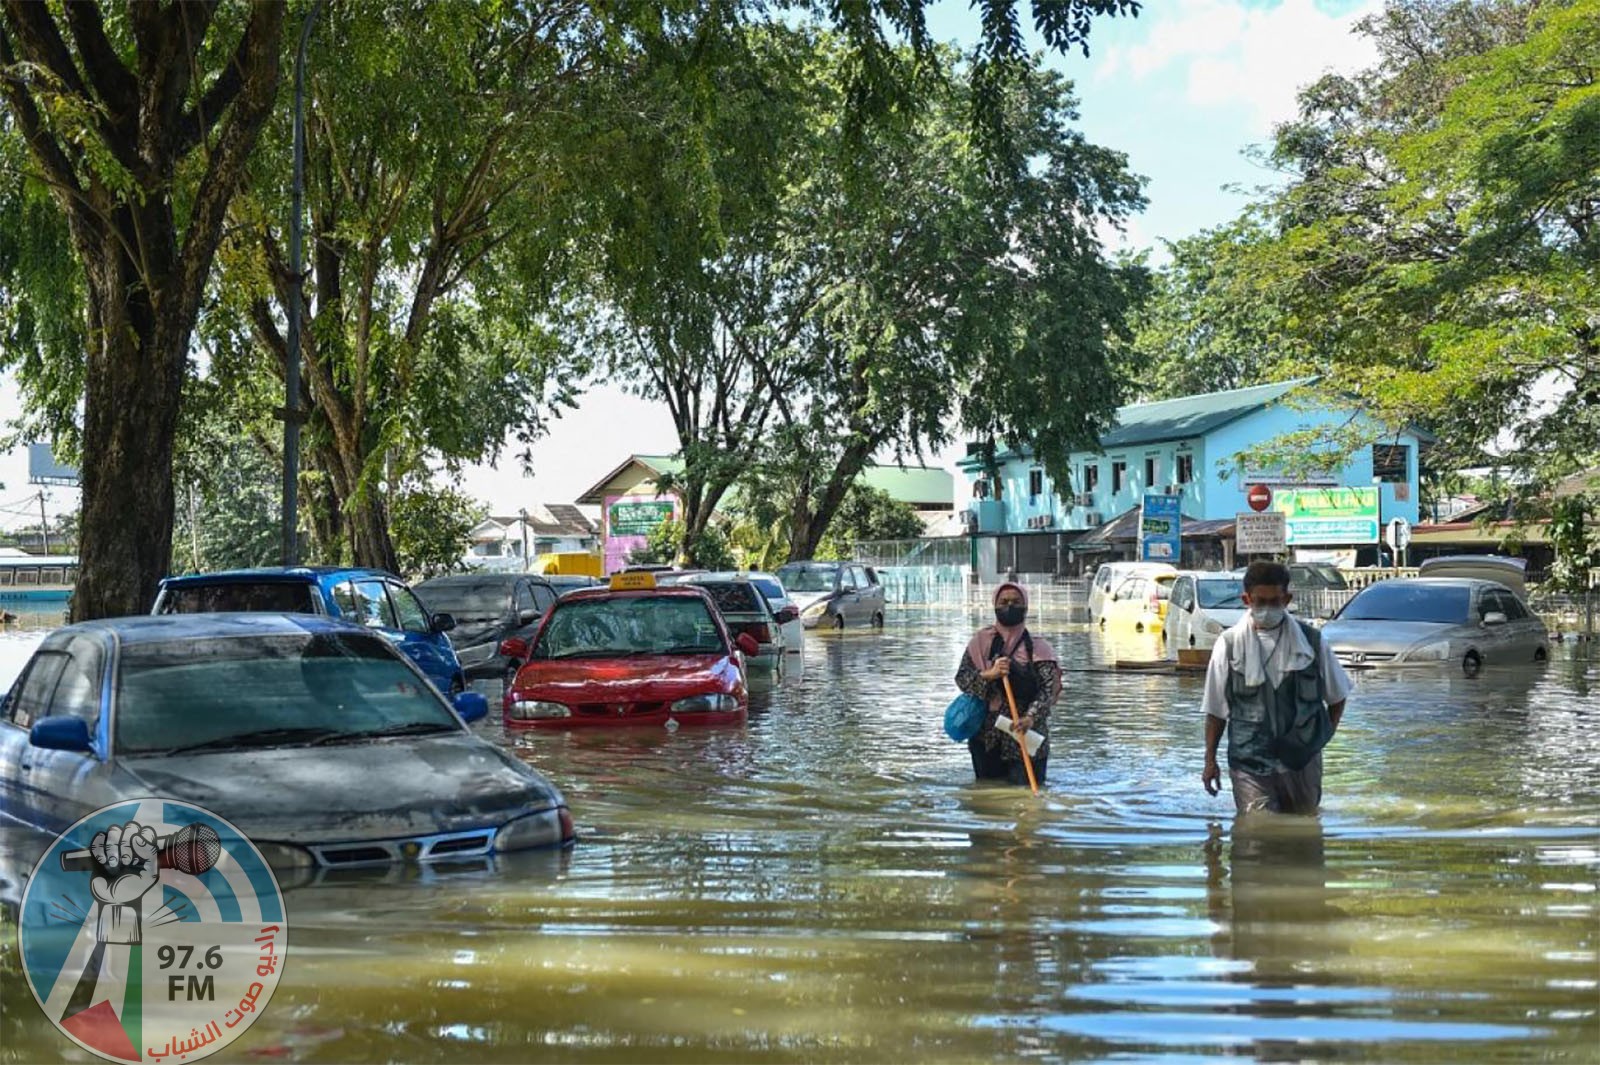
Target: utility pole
[(44, 525), (292, 414), (523, 514)]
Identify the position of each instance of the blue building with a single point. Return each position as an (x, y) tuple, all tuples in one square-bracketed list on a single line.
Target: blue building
[(1193, 447)]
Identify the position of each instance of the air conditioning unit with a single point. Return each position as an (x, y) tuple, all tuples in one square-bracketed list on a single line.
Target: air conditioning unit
[(1086, 499), (1094, 518)]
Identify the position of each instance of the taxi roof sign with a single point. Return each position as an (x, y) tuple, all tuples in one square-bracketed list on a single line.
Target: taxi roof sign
[(632, 582)]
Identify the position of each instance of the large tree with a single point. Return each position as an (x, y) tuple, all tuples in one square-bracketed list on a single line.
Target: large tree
[(140, 121)]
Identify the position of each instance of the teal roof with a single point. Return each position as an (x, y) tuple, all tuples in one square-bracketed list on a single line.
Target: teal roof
[(1178, 419), (912, 484)]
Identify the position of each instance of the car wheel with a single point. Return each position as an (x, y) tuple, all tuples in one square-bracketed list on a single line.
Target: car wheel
[(877, 620), (838, 621), (1471, 664), (1540, 654)]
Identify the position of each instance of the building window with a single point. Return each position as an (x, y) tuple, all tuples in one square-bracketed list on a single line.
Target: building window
[(1035, 484), (1185, 469), (1152, 466), (1119, 476), (1091, 478), (1391, 463)]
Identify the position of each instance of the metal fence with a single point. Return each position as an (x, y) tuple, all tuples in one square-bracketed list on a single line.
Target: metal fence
[(928, 551)]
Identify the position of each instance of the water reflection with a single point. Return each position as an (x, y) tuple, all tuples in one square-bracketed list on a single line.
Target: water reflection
[(828, 883)]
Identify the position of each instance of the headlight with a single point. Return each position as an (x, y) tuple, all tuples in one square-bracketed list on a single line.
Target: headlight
[(285, 856), (1214, 628), (538, 711), (815, 610), (550, 828), (1438, 651), (706, 704)]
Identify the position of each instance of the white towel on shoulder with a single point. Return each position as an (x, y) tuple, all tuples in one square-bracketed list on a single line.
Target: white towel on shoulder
[(1290, 651)]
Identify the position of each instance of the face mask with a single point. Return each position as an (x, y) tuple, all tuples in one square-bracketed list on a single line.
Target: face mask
[(1010, 615), (1268, 617)]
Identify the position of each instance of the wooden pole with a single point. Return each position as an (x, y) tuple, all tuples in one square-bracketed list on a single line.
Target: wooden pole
[(1022, 740)]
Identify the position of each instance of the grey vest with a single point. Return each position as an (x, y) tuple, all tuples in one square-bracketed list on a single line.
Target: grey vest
[(1275, 728)]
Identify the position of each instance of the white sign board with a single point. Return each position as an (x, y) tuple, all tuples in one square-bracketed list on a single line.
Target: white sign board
[(1398, 534), (1264, 533)]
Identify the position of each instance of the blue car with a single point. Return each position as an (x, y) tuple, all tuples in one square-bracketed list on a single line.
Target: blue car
[(368, 597), (313, 736)]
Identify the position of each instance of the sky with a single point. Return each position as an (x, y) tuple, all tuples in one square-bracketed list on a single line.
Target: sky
[(1184, 90)]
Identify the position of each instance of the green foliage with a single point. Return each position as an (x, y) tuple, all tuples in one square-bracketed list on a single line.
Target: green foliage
[(665, 546), (1438, 245), (868, 514), (430, 525), (1575, 536), (229, 495), (661, 548)]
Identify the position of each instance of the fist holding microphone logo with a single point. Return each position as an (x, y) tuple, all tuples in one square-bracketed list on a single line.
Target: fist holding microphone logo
[(152, 930)]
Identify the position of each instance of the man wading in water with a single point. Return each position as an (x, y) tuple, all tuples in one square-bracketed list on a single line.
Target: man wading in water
[(1007, 649), (1276, 688)]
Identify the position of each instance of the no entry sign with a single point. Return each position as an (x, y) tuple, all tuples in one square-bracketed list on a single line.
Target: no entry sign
[(1259, 497)]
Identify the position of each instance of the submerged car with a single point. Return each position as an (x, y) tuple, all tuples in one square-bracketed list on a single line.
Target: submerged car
[(1202, 606), (488, 608), (1140, 602), (745, 611), (1111, 575), (315, 737), (371, 598), (834, 594), (1434, 620), (784, 609), (631, 654)]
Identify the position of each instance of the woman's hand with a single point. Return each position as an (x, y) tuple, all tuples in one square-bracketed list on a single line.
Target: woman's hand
[(1024, 723), (1000, 668)]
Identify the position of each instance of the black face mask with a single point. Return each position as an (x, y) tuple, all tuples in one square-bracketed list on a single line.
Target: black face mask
[(1010, 615)]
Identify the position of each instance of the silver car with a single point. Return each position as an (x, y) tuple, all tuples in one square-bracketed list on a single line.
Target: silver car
[(1436, 620)]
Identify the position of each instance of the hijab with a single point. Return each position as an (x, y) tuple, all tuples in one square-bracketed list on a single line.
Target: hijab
[(1014, 646)]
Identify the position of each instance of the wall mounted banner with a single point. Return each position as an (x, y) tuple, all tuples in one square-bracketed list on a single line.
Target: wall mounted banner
[(1160, 532)]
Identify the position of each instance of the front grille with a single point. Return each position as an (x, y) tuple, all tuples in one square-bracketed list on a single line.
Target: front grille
[(478, 842), (1364, 658), (619, 710)]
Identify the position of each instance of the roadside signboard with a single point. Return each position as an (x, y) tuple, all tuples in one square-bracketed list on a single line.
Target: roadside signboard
[(1398, 534), (1329, 515), (1259, 497), (630, 518), (1264, 533), (1160, 528)]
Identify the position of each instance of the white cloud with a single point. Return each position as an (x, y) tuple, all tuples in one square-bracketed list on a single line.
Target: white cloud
[(1229, 54)]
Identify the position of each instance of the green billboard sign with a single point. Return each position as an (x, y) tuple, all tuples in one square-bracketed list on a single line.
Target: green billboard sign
[(1324, 516), (638, 519)]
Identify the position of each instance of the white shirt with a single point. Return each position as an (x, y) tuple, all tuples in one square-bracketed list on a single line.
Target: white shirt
[(1335, 681)]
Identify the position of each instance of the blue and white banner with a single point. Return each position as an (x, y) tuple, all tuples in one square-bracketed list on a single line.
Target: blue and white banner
[(1160, 531)]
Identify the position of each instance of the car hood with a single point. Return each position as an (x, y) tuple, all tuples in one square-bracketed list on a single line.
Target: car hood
[(1227, 617), (804, 600), (636, 679), (375, 790), (1386, 637)]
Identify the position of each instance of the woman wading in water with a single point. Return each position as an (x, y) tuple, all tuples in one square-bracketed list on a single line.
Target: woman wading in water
[(1007, 649)]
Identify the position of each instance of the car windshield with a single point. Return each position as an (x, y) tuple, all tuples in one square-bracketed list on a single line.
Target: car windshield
[(466, 601), (1220, 595), (805, 579), (269, 691), (1406, 601), (770, 588), (734, 597), (255, 597), (630, 625)]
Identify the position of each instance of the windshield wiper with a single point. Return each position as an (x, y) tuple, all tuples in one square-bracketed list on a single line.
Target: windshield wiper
[(267, 737), (404, 728), (600, 652), (688, 651)]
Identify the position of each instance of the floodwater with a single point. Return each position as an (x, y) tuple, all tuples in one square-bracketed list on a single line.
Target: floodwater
[(827, 883)]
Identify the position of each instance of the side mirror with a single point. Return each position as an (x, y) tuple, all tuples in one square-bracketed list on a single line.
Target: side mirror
[(60, 733), (527, 617), (786, 615), (747, 643), (471, 706), (514, 647), (444, 622), (1494, 617)]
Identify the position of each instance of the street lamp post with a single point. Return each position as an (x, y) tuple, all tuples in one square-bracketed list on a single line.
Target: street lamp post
[(292, 415)]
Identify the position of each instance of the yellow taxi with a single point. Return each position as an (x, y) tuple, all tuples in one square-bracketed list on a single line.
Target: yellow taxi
[(1139, 603)]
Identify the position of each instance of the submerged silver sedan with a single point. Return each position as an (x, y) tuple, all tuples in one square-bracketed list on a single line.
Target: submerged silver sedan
[(1431, 621)]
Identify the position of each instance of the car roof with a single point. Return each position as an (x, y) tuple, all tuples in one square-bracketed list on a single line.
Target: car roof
[(583, 595), (158, 628), (465, 579), (735, 575), (284, 574), (1213, 574)]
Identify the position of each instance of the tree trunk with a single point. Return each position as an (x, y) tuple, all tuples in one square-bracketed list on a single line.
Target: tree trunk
[(810, 525), (134, 384)]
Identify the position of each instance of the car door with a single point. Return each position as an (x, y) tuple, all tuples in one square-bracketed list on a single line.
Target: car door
[(430, 650), (1518, 635), (849, 594), (1181, 621), (1530, 631), (873, 595), (55, 788)]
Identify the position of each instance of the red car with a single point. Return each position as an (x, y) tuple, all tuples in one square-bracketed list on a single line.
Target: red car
[(631, 654)]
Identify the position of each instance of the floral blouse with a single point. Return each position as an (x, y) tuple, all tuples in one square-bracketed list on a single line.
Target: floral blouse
[(971, 681)]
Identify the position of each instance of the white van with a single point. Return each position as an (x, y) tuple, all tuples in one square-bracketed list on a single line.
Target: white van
[(1202, 607), (1112, 574)]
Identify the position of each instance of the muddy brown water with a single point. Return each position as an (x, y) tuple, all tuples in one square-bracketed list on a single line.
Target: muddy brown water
[(828, 884)]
